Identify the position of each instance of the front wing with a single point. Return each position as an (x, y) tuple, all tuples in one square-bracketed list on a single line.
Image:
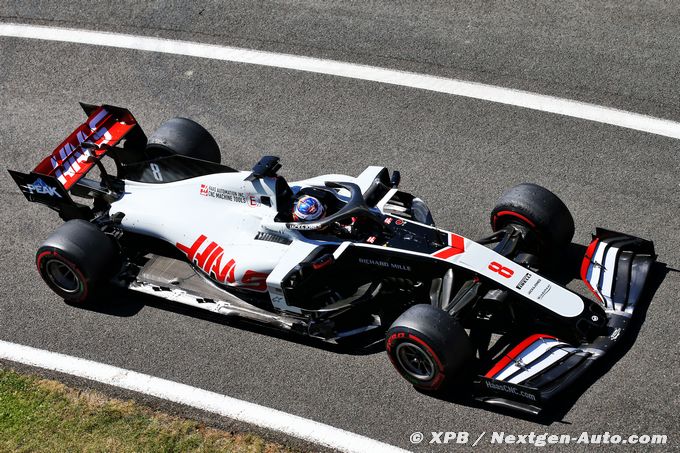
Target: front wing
[(528, 375)]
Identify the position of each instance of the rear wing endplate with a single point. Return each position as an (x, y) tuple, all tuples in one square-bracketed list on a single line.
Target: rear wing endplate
[(51, 180), (48, 191)]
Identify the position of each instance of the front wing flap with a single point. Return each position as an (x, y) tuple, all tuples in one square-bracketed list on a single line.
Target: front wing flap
[(615, 268), (532, 372)]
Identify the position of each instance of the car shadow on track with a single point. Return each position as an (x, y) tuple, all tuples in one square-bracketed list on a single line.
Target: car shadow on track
[(557, 408), (124, 303)]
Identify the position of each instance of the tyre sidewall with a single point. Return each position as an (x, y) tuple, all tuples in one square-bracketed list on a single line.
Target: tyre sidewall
[(47, 254), (83, 248), (437, 334), (540, 210), (401, 335)]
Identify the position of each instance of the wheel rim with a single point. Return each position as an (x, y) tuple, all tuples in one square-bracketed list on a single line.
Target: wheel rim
[(62, 276), (415, 361)]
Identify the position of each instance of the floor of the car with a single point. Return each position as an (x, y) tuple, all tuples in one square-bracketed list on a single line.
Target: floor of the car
[(176, 280)]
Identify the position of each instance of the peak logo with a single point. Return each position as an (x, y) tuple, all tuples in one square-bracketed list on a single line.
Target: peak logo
[(211, 260), (40, 187)]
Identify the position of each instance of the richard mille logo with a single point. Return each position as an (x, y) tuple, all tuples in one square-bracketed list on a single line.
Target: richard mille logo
[(381, 263)]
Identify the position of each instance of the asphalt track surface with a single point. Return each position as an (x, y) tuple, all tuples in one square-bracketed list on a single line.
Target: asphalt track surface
[(458, 154)]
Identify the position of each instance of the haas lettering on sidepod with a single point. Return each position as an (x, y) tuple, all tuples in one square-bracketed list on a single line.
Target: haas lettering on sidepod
[(210, 259)]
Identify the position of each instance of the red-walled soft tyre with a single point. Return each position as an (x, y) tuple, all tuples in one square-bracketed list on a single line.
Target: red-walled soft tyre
[(538, 209), (429, 348), (77, 260)]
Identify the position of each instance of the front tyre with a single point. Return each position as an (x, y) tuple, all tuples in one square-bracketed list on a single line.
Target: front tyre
[(538, 209), (428, 347), (77, 260)]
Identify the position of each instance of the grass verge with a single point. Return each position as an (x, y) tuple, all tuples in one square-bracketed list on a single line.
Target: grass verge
[(39, 415)]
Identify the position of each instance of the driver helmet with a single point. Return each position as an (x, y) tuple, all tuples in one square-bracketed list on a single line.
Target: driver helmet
[(307, 208)]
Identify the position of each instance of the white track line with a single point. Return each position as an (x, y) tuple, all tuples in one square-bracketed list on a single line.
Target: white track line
[(456, 87), (233, 408)]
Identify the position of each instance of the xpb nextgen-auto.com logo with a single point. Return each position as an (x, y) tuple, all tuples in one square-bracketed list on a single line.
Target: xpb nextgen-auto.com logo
[(537, 440)]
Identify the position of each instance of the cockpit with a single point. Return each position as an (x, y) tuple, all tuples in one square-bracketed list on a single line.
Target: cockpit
[(348, 212)]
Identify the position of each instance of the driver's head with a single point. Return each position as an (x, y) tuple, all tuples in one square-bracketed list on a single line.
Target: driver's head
[(307, 208)]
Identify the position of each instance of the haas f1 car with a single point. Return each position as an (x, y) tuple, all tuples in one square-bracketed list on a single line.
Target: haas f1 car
[(171, 221)]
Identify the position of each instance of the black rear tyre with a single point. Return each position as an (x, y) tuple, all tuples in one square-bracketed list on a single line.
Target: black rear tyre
[(540, 210), (429, 348), (77, 260), (186, 137)]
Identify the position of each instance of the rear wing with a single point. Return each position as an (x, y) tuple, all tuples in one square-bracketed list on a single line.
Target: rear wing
[(52, 179), (105, 127)]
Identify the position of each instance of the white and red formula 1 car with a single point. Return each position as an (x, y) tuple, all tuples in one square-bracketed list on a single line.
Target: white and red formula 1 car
[(175, 223)]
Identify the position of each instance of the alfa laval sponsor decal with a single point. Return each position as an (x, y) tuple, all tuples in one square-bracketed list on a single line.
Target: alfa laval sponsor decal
[(387, 264), (222, 194), (533, 287), (212, 260), (40, 187), (541, 290), (508, 388), (523, 281)]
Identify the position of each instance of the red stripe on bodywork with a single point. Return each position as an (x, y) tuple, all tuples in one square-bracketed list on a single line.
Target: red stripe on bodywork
[(456, 246), (587, 258), (517, 350), (585, 264)]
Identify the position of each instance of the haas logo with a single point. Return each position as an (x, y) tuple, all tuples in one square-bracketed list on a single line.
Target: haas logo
[(212, 261), (70, 159)]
